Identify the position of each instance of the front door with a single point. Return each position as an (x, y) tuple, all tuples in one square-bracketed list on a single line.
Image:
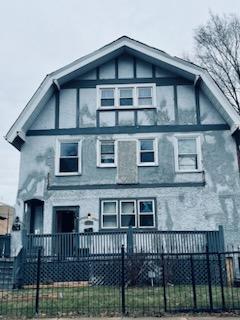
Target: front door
[(65, 227)]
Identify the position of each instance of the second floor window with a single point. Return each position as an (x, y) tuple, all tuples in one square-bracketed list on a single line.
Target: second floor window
[(106, 153), (188, 154), (145, 96), (147, 152), (68, 157)]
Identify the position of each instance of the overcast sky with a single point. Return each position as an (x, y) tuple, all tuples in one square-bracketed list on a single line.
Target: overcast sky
[(37, 37)]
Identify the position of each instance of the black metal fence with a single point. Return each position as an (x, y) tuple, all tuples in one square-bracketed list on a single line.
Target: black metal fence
[(5, 245), (130, 283)]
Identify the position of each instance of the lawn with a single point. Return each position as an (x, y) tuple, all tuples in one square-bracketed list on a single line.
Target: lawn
[(103, 300)]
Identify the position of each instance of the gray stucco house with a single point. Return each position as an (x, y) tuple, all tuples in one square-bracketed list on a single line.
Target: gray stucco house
[(127, 136)]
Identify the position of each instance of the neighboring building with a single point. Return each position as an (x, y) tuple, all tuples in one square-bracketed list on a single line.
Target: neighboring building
[(6, 218), (128, 135)]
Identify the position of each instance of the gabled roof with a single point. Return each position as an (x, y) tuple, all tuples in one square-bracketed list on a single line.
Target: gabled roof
[(102, 55)]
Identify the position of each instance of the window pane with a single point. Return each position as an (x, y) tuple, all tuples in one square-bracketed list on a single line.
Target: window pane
[(187, 162), (107, 148), (126, 93), (68, 164), (146, 144), (147, 157), (145, 101), (126, 101), (187, 146), (145, 92), (107, 93), (107, 102), (128, 220), (128, 207), (109, 207), (110, 221), (107, 158), (146, 206), (146, 220), (69, 149)]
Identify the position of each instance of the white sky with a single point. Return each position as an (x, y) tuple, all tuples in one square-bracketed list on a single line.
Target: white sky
[(37, 37)]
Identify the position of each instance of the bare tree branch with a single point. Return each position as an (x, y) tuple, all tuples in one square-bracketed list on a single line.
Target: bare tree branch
[(217, 48)]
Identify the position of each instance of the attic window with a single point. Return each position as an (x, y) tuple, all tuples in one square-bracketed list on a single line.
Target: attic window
[(126, 96)]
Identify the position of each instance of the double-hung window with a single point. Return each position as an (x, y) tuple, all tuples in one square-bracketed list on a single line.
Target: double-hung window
[(106, 153), (109, 212), (145, 96), (147, 152), (188, 154), (126, 97), (68, 157), (107, 97), (125, 213), (128, 213)]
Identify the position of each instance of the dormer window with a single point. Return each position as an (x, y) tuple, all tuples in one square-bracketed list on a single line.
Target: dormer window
[(130, 96)]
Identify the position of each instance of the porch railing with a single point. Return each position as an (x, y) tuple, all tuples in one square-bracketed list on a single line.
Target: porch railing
[(97, 243)]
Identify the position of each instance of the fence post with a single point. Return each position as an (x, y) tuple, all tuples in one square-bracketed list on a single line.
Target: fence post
[(221, 279), (123, 280), (193, 282), (164, 283), (130, 240), (38, 280), (209, 279)]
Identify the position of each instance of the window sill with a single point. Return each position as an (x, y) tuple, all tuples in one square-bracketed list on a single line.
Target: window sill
[(189, 171), (125, 108), (147, 164), (67, 174), (109, 166)]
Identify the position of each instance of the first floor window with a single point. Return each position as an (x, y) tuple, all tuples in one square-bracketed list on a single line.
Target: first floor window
[(147, 152), (109, 214), (137, 213), (68, 157), (188, 154), (128, 213), (106, 153), (146, 213)]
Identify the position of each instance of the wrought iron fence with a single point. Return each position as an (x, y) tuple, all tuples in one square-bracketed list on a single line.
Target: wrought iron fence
[(130, 283)]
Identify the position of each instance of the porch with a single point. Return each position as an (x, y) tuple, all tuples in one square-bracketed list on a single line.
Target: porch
[(70, 245)]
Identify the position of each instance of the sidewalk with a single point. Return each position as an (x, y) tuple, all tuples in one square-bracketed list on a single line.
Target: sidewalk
[(197, 317)]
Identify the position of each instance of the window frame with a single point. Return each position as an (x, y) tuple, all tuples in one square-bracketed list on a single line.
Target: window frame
[(119, 213), (110, 214), (58, 156), (155, 151), (198, 152), (106, 165), (135, 97), (122, 214), (153, 213)]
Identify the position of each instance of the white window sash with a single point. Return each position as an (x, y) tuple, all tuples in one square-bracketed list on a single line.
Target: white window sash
[(109, 214), (155, 151), (106, 165), (133, 214), (135, 96), (58, 156), (198, 153), (153, 213)]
